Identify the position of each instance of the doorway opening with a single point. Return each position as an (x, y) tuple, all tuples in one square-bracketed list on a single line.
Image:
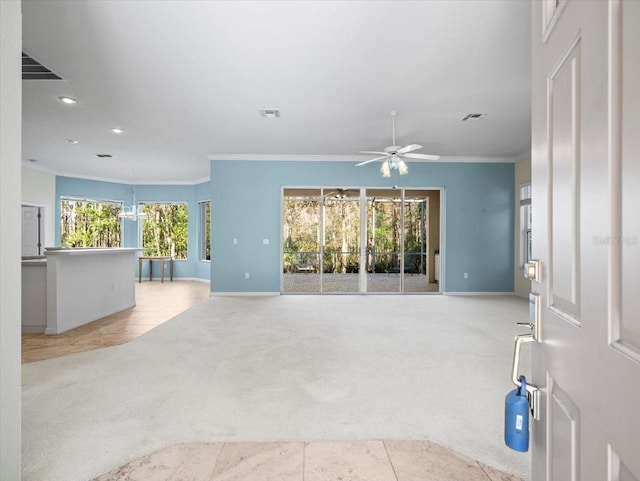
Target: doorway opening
[(360, 240)]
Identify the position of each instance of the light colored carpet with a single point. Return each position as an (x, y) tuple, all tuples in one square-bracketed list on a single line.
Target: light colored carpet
[(285, 368)]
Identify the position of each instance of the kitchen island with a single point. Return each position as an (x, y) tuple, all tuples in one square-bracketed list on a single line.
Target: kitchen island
[(86, 284)]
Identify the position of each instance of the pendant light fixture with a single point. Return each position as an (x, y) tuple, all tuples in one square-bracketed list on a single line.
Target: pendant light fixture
[(131, 212)]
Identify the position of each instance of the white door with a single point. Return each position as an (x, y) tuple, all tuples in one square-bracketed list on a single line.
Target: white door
[(31, 231), (586, 232)]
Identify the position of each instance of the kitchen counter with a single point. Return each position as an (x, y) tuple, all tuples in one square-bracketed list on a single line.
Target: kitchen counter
[(86, 284)]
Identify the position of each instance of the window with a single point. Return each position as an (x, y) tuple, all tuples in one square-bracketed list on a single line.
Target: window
[(204, 209), (165, 229), (90, 223), (525, 223)]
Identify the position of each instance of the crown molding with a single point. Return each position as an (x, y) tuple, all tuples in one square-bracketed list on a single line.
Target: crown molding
[(350, 158), (114, 180)]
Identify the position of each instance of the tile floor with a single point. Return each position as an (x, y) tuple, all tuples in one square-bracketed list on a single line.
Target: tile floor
[(311, 461), (156, 303)]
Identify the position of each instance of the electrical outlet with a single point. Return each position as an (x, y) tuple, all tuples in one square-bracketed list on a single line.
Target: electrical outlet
[(246, 275), (466, 275), (265, 242)]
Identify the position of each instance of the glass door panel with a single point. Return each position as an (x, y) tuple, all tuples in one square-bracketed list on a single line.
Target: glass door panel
[(341, 253), (384, 244), (416, 215), (301, 240)]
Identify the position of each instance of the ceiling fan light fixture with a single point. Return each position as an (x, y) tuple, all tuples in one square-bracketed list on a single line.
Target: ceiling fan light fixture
[(402, 167), (386, 169)]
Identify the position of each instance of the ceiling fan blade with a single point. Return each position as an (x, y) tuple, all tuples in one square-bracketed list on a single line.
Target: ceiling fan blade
[(372, 160), (409, 148), (373, 152), (422, 156)]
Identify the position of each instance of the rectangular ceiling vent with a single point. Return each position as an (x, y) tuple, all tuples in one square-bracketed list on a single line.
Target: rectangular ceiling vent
[(34, 70), (270, 113), (104, 156), (474, 117)]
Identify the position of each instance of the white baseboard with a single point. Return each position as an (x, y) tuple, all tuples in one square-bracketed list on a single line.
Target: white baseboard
[(166, 279), (33, 329), (237, 294), (463, 293)]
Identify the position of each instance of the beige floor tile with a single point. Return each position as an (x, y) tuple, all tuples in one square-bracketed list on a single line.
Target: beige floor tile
[(426, 461), (128, 329), (156, 304), (347, 461), (178, 462), (495, 475), (316, 461), (259, 461)]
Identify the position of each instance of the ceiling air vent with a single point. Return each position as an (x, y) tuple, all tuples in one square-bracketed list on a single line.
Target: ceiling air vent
[(104, 156), (33, 70), (270, 113), (474, 117)]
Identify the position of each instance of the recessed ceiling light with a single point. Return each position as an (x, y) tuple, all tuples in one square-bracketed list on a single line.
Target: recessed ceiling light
[(72, 141), (270, 113), (474, 117), (104, 156), (116, 130), (68, 100)]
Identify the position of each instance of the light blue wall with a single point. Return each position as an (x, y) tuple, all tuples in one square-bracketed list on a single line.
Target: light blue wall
[(245, 199), (192, 267)]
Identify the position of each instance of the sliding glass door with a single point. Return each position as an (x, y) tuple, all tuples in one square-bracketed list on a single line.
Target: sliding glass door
[(338, 240), (416, 241), (384, 245), (341, 248), (302, 238)]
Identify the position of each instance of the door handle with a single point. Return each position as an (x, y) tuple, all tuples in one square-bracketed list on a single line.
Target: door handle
[(533, 393), (520, 339)]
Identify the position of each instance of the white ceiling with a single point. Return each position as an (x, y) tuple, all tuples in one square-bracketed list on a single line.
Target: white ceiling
[(185, 80)]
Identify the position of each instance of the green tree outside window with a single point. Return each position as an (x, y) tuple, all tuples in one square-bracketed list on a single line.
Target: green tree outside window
[(165, 230), (90, 223)]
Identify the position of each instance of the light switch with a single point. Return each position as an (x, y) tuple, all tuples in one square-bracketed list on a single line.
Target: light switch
[(265, 242), (235, 241)]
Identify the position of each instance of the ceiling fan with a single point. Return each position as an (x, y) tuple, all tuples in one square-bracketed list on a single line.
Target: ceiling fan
[(392, 157), (339, 193)]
